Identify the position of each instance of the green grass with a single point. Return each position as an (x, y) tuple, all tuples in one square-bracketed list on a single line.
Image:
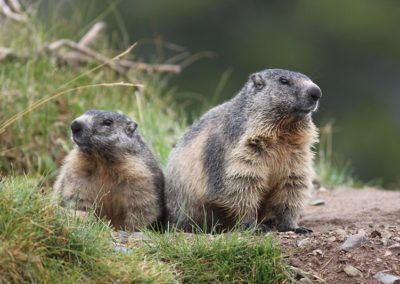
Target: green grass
[(40, 242), (228, 258), (330, 170), (37, 142)]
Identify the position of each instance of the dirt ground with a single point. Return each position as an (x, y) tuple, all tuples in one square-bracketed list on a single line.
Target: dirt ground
[(344, 212)]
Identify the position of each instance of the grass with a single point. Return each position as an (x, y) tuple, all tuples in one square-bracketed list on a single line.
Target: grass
[(229, 258), (40, 242), (38, 141), (330, 171)]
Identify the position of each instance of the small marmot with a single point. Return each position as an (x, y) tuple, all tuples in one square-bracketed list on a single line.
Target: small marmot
[(247, 161), (111, 171)]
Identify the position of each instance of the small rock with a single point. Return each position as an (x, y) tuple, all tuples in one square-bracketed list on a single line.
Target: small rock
[(378, 259), (361, 232), (388, 253), (384, 242), (394, 247), (332, 239), (303, 243), (341, 234), (139, 236), (317, 252), (120, 236), (387, 234), (352, 271), (304, 280), (375, 234), (317, 202), (354, 241), (122, 248), (322, 189), (386, 278)]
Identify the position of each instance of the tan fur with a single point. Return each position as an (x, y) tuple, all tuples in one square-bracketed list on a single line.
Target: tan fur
[(190, 158), (122, 192), (283, 172)]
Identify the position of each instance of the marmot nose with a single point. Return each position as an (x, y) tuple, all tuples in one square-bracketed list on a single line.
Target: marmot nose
[(76, 127), (314, 93)]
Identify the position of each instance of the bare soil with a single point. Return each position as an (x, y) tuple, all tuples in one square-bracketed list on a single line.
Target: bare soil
[(347, 211)]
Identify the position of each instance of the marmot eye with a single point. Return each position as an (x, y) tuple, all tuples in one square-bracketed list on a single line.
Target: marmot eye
[(284, 81), (259, 85), (107, 122)]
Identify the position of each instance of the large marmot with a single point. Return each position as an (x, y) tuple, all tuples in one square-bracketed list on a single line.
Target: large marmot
[(111, 171), (247, 161)]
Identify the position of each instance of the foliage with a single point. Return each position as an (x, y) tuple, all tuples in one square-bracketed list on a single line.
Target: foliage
[(329, 171), (40, 242), (227, 258), (38, 141)]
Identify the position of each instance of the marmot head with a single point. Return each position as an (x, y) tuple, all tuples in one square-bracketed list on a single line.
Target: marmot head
[(104, 133), (280, 94)]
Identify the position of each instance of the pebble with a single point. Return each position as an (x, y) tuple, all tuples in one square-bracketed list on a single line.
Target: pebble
[(354, 241), (388, 253), (332, 239), (139, 236), (304, 280), (352, 271), (385, 278), (123, 249), (303, 242), (341, 234), (120, 236), (317, 202), (384, 242), (394, 247), (375, 234), (317, 252)]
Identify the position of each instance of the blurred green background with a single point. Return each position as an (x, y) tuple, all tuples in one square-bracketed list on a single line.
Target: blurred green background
[(351, 49)]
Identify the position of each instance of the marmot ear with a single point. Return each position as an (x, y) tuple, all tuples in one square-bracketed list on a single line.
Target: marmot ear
[(130, 128), (258, 81)]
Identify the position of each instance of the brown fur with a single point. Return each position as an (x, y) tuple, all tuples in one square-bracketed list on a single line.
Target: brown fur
[(114, 174), (123, 193)]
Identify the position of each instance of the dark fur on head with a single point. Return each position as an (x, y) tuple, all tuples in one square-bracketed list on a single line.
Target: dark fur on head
[(278, 98), (105, 134)]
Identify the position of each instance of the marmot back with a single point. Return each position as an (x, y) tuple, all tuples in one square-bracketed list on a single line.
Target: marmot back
[(112, 171), (248, 160)]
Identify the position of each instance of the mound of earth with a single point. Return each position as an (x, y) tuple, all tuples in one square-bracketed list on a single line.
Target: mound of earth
[(368, 217)]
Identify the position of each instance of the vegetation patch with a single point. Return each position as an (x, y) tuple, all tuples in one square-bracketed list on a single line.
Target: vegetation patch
[(40, 242), (227, 258)]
